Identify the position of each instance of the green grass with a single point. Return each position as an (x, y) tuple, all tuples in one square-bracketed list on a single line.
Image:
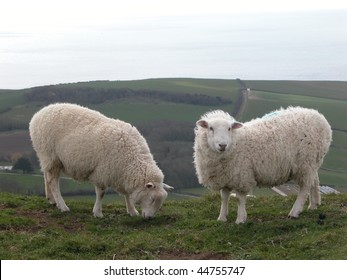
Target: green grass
[(324, 89), (34, 184), (21, 113), (32, 229), (9, 99), (134, 112)]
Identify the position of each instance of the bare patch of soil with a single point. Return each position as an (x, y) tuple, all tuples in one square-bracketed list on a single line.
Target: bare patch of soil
[(15, 142), (43, 220), (183, 255)]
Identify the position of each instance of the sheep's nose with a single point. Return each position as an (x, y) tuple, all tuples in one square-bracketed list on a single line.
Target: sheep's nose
[(146, 216), (222, 147)]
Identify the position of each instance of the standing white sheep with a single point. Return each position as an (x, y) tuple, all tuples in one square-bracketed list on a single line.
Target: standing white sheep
[(285, 145), (88, 146)]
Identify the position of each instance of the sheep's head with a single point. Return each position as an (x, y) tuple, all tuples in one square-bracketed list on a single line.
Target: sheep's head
[(219, 128), (151, 197)]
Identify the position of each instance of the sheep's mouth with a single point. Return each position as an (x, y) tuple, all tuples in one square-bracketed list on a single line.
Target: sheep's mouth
[(221, 147), (146, 216)]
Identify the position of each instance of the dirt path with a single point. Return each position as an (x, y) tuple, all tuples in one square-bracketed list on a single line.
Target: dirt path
[(241, 102)]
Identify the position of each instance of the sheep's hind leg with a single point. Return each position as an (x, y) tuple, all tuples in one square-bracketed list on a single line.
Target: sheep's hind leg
[(52, 181), (305, 184), (97, 209), (315, 198), (224, 209), (48, 191), (130, 206), (241, 208)]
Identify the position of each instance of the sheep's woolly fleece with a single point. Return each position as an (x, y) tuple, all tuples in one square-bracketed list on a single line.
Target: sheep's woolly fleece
[(265, 151), (88, 146)]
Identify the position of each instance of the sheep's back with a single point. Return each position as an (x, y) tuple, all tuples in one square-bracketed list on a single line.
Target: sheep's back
[(291, 141), (84, 141)]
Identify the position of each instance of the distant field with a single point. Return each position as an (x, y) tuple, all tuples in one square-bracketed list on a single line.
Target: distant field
[(33, 184), (325, 89), (134, 112), (9, 99), (17, 141)]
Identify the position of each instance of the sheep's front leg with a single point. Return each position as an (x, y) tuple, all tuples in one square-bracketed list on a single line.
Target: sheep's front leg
[(299, 203), (97, 209), (130, 206), (53, 189), (224, 209), (241, 208)]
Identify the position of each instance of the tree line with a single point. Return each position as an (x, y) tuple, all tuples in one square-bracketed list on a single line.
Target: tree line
[(7, 124), (88, 95)]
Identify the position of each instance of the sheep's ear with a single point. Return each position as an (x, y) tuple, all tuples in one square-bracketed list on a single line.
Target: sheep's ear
[(236, 125), (167, 187), (150, 185), (202, 123)]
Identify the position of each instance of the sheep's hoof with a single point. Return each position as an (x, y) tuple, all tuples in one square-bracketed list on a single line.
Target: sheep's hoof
[(134, 213), (222, 219), (313, 207), (98, 215), (293, 217), (51, 201), (65, 210), (240, 222)]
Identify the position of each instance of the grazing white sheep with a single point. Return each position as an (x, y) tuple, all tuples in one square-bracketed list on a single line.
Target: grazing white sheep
[(88, 146), (285, 145)]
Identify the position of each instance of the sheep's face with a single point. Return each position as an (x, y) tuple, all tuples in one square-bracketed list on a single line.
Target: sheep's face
[(151, 198), (219, 133)]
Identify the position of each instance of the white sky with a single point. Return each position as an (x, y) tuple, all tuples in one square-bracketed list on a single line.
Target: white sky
[(31, 15), (57, 41)]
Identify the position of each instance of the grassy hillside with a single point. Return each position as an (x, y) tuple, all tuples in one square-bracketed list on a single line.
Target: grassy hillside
[(330, 98), (32, 229), (14, 106)]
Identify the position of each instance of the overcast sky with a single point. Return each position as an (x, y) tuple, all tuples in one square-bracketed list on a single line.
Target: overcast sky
[(41, 15), (48, 42)]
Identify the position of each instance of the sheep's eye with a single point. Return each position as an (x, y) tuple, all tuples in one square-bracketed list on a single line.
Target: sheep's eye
[(229, 129), (211, 128)]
